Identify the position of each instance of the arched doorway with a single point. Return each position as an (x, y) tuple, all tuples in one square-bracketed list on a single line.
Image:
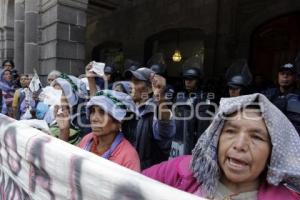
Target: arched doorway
[(189, 41), (275, 43)]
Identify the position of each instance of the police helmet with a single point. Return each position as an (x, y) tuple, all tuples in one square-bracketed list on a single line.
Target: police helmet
[(288, 67), (236, 82), (191, 73)]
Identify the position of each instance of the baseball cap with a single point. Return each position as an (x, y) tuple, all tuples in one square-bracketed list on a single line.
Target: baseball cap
[(142, 74)]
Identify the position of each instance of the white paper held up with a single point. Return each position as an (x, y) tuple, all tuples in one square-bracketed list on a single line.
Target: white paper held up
[(98, 68), (35, 83)]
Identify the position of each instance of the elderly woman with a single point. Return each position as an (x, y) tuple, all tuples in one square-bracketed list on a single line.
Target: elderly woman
[(52, 76), (248, 152), (107, 111)]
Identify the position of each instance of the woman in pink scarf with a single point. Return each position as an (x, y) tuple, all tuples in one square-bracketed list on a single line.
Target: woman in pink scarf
[(248, 152)]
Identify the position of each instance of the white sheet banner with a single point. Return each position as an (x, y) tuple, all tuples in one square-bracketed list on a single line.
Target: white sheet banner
[(34, 165)]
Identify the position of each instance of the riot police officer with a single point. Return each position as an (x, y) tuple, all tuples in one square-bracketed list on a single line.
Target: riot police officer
[(236, 86), (239, 78), (286, 97), (189, 126)]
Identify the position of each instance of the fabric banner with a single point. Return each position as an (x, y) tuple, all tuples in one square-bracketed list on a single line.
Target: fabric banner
[(37, 166)]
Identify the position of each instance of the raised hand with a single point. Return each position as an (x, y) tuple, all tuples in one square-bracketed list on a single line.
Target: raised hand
[(88, 72), (158, 87)]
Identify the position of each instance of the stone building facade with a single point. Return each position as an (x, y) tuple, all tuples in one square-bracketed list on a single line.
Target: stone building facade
[(44, 35), (65, 34)]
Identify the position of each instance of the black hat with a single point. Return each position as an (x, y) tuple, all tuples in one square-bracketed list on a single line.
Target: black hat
[(236, 82), (109, 69), (288, 67), (191, 73), (142, 74)]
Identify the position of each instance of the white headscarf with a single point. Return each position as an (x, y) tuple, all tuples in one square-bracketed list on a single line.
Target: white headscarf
[(116, 104), (73, 88), (284, 166)]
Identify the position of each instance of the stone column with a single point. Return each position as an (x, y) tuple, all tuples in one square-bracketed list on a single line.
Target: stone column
[(8, 36), (31, 60), (6, 29), (19, 35), (63, 25)]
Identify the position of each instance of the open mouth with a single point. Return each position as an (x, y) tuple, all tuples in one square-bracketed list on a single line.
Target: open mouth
[(237, 163)]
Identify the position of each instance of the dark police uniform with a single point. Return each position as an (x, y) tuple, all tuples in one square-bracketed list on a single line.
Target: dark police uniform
[(188, 126), (288, 103)]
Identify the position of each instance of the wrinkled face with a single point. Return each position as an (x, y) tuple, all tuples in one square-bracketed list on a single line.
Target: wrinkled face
[(234, 92), (140, 90), (286, 78), (190, 84), (7, 76), (102, 123), (244, 147)]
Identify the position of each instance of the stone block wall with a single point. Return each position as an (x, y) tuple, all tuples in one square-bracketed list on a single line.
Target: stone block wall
[(6, 30), (6, 44), (62, 44)]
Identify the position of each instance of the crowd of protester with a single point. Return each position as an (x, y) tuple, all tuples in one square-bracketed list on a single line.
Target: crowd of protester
[(245, 146)]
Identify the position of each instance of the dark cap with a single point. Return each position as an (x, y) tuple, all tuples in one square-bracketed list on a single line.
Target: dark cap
[(236, 82), (131, 68), (142, 74), (287, 67), (109, 69), (191, 73)]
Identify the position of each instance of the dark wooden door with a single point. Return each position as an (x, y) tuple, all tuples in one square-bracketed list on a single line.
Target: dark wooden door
[(275, 43)]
